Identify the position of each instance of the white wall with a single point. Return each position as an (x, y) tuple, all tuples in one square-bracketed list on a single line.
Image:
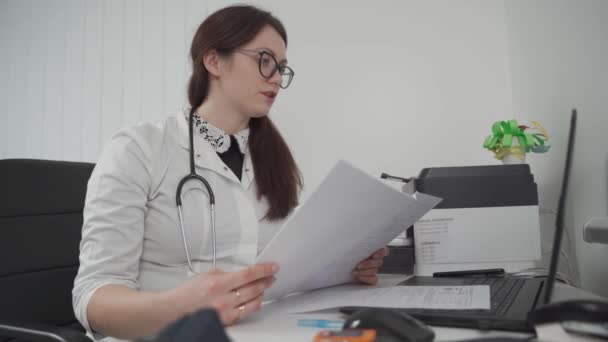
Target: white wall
[(392, 86), (393, 79), (76, 71), (559, 50), (389, 85)]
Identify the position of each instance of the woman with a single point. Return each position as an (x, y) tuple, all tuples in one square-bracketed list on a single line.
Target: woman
[(140, 268)]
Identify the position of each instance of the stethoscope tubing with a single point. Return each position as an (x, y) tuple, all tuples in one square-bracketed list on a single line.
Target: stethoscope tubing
[(194, 176)]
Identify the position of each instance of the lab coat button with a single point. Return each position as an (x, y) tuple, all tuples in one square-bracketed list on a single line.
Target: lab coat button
[(225, 168)]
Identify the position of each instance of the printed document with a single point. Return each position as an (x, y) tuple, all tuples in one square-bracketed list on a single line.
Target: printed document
[(349, 216), (406, 297), (508, 237)]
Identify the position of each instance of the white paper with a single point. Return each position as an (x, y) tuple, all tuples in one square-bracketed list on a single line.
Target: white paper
[(419, 297), (553, 332), (468, 238), (347, 218)]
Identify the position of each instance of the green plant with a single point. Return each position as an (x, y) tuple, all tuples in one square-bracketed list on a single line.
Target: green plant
[(508, 137)]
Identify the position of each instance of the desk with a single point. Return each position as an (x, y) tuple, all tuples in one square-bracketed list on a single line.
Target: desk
[(274, 323)]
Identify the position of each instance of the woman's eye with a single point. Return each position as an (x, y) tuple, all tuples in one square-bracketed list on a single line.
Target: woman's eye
[(266, 60)]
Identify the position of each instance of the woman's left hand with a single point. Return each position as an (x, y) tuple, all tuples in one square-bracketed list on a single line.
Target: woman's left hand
[(367, 270)]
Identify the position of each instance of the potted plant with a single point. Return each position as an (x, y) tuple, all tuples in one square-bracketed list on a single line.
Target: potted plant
[(511, 141)]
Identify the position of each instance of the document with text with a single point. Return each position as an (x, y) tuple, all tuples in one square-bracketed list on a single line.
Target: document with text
[(407, 297), (442, 238), (349, 216)]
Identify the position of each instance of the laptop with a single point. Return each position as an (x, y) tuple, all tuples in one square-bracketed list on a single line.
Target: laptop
[(511, 297)]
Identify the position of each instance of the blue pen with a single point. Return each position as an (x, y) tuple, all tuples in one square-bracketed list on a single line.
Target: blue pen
[(320, 323)]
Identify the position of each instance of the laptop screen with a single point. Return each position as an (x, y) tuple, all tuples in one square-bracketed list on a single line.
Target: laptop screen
[(559, 222)]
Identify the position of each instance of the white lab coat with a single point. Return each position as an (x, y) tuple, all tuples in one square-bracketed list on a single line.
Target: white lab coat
[(131, 233)]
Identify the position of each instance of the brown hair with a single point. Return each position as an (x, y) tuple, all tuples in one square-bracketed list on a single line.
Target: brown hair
[(277, 176)]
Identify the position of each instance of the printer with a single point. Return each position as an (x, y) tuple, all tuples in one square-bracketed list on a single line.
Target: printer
[(488, 218)]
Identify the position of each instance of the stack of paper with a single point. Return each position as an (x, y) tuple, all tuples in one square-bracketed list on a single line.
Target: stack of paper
[(347, 218)]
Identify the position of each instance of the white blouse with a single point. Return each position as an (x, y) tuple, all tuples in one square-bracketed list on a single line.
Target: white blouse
[(131, 233)]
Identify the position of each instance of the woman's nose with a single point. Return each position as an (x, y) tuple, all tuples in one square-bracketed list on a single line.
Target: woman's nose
[(276, 78)]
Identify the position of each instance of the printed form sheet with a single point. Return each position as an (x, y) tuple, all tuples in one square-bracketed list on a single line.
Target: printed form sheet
[(419, 297)]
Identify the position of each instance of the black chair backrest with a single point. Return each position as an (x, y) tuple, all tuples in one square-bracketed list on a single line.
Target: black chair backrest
[(41, 204)]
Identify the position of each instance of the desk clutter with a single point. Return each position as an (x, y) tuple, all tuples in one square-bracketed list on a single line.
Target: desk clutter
[(385, 325)]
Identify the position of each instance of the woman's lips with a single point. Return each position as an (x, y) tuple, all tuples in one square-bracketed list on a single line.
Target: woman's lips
[(270, 95)]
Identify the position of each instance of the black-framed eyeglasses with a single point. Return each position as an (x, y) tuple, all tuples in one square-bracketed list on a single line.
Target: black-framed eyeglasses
[(269, 66)]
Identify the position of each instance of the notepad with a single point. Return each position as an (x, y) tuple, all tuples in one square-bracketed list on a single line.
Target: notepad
[(348, 216)]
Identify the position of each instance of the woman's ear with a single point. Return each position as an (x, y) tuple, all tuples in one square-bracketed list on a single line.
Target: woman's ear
[(211, 61)]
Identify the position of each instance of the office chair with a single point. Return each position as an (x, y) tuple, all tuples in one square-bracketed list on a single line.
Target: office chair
[(41, 204)]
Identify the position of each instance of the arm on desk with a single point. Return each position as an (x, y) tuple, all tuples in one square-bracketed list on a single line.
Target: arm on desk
[(119, 311)]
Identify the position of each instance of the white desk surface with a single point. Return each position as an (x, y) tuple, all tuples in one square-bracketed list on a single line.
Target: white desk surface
[(274, 323)]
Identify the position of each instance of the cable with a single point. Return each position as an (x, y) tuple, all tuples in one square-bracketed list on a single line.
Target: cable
[(534, 273), (572, 271), (565, 255), (568, 239)]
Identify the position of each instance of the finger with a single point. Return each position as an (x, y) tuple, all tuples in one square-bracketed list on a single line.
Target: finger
[(226, 299), (250, 291), (250, 274), (378, 254), (369, 263), (244, 309), (366, 273), (225, 316), (381, 253), (373, 280), (231, 310)]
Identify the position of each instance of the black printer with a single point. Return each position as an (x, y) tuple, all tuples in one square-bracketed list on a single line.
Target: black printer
[(479, 186)]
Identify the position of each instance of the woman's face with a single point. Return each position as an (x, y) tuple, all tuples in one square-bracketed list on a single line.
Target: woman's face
[(242, 82)]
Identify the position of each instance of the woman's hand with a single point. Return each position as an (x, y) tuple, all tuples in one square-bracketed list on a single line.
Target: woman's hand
[(233, 294), (367, 270)]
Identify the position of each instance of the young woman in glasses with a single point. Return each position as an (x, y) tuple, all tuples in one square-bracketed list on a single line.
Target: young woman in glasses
[(143, 264)]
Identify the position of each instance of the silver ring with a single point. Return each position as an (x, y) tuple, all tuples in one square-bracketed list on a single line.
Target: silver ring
[(238, 294)]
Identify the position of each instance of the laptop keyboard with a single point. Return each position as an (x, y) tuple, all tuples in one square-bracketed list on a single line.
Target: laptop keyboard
[(503, 292)]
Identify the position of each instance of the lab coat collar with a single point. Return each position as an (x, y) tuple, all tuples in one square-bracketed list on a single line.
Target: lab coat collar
[(206, 157)]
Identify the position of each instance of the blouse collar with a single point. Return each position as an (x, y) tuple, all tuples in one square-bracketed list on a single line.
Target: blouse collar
[(218, 139)]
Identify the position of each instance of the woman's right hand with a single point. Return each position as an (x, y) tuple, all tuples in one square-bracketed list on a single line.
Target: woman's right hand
[(233, 294)]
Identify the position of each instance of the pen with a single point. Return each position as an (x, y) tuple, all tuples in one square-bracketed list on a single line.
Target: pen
[(395, 178), (320, 323)]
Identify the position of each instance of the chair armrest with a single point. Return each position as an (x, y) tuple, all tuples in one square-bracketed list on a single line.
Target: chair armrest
[(36, 332)]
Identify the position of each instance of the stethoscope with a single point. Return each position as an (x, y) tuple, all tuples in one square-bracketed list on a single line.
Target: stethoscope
[(178, 199)]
